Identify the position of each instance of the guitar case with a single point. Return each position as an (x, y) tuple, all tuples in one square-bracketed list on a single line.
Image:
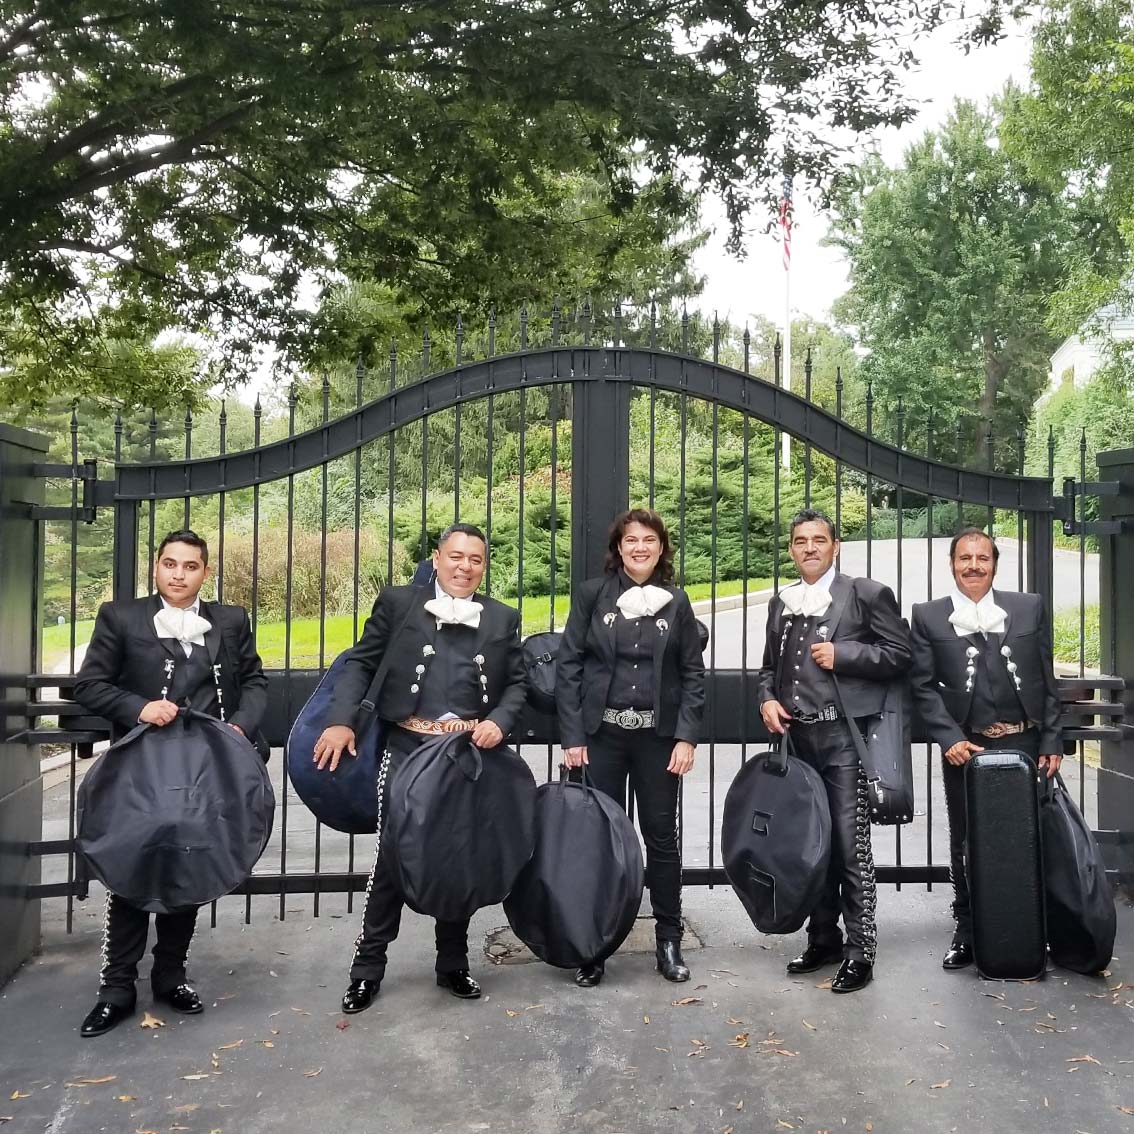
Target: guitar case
[(1005, 866)]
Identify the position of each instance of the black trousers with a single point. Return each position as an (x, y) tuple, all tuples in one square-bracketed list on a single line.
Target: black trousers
[(827, 746), (383, 913), (954, 780), (616, 755), (125, 932)]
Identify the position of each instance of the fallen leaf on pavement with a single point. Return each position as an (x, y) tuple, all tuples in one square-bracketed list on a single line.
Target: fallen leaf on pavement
[(189, 1107), (149, 1021), (301, 1011), (784, 1051), (687, 1000), (17, 1095), (938, 1024), (1084, 1059), (1126, 1110), (342, 1025), (91, 1082), (645, 1019), (230, 1046), (825, 984), (740, 1041), (313, 1074), (740, 1105), (939, 1086), (194, 1078), (126, 1098), (267, 1043), (785, 1125), (810, 1027), (510, 1012), (735, 1023)]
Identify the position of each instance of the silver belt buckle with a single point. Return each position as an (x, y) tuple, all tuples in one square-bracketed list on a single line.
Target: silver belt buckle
[(629, 718)]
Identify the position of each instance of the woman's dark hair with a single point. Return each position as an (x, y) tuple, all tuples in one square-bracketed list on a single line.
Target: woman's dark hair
[(651, 520), (185, 535)]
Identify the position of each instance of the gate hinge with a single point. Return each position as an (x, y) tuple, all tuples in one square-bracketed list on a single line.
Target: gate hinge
[(87, 473), (1065, 510)]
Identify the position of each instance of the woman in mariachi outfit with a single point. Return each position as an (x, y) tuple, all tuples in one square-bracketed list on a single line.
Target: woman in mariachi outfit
[(630, 692)]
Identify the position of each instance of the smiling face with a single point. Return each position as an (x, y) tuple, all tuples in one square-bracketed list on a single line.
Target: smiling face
[(974, 566), (813, 550), (459, 563), (179, 573), (640, 548)]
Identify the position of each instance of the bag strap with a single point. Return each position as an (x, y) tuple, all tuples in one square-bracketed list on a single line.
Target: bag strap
[(368, 705)]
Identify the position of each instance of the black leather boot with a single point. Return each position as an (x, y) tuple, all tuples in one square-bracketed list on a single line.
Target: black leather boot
[(671, 965)]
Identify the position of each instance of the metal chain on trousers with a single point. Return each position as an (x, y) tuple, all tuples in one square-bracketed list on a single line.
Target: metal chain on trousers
[(382, 770), (865, 855), (105, 939)]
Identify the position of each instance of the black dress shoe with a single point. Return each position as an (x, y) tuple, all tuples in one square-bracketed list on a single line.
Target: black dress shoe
[(102, 1017), (671, 965), (815, 957), (959, 955), (590, 975), (459, 983), (182, 999), (360, 995), (852, 976)]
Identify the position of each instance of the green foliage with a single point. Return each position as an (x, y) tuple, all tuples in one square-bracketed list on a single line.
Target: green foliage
[(953, 256), (1074, 125), (186, 164)]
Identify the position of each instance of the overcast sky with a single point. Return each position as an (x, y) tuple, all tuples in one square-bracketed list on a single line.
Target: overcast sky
[(739, 289)]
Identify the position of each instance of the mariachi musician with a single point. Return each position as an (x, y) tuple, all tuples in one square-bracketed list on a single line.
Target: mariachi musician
[(828, 627), (451, 661), (982, 678), (630, 692), (146, 657)]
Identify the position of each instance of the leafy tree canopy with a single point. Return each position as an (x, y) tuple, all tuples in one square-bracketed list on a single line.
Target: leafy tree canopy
[(191, 163), (1075, 125), (953, 256)]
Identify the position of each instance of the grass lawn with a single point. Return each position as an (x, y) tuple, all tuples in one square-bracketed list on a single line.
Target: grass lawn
[(338, 630)]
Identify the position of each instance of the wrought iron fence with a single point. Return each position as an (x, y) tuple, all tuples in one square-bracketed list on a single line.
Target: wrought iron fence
[(312, 504)]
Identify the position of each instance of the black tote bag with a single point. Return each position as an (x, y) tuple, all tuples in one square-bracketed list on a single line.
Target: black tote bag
[(1081, 918), (172, 818), (776, 839), (576, 900), (460, 826)]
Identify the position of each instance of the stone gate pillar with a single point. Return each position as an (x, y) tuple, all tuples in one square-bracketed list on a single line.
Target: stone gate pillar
[(21, 793), (1116, 656)]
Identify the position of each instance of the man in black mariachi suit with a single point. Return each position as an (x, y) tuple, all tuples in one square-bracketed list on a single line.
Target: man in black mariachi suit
[(982, 677), (146, 656), (451, 661), (831, 625)]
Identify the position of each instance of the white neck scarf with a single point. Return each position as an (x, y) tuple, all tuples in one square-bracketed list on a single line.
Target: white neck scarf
[(642, 602), (451, 611), (186, 625), (969, 617), (812, 600)]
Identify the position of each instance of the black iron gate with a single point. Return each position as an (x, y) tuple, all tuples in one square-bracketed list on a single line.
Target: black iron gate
[(314, 510)]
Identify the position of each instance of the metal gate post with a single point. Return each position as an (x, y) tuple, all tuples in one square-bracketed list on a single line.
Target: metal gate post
[(21, 793), (1116, 653), (600, 468)]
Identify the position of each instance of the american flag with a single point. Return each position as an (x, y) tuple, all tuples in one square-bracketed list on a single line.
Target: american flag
[(785, 221)]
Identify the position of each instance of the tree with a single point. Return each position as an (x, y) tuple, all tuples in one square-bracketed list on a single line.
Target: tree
[(197, 164), (952, 258), (1075, 126)]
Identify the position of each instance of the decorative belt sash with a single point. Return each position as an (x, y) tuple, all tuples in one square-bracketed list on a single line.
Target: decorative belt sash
[(425, 725), (1003, 728), (629, 718), (827, 713)]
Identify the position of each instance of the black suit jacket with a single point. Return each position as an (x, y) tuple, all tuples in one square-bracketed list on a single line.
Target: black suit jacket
[(399, 627), (124, 664), (584, 666), (871, 639), (938, 672)]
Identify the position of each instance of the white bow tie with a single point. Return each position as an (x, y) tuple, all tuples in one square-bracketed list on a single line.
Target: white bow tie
[(983, 617), (812, 602), (642, 602), (184, 625), (451, 611)]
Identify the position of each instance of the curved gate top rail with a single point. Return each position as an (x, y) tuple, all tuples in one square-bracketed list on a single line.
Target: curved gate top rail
[(660, 370)]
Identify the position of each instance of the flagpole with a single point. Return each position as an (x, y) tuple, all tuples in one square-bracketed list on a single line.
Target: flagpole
[(786, 223)]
